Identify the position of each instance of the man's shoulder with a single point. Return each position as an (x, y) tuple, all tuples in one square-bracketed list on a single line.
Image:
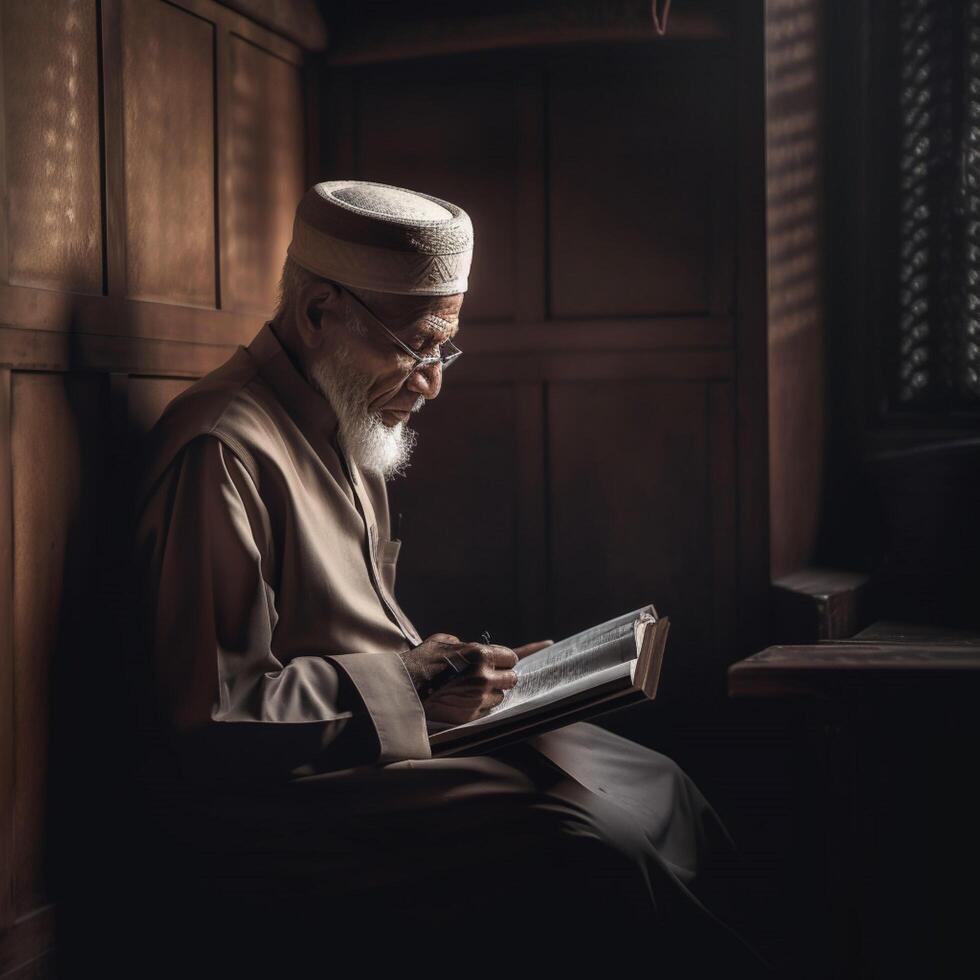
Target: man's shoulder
[(232, 403)]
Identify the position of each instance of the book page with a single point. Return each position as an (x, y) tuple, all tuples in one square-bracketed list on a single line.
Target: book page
[(569, 660), (582, 684), (581, 641)]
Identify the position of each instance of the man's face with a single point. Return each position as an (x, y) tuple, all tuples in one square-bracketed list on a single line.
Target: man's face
[(369, 379), (421, 323)]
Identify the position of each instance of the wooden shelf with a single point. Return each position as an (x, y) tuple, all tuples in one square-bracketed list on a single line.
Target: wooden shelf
[(887, 657)]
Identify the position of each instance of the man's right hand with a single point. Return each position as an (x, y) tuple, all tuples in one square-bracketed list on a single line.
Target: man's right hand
[(479, 687)]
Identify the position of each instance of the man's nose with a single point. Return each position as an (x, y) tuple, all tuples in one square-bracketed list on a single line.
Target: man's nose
[(426, 381)]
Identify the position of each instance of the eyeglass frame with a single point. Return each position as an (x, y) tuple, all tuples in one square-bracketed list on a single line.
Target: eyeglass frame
[(420, 361)]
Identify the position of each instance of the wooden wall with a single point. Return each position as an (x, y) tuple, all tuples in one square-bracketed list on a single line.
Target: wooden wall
[(794, 207), (153, 153), (601, 442)]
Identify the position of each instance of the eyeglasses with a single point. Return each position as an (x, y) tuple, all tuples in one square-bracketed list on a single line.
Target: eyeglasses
[(448, 351)]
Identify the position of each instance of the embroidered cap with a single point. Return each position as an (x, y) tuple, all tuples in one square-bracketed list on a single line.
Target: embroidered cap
[(389, 239)]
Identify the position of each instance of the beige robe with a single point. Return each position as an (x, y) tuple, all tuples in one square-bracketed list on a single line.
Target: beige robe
[(267, 571)]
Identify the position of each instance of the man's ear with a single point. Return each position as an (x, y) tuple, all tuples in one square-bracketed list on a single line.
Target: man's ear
[(317, 308)]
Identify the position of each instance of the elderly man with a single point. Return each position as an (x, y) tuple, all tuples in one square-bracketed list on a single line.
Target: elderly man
[(293, 694)]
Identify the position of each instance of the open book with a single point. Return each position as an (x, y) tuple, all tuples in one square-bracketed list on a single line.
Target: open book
[(595, 671)]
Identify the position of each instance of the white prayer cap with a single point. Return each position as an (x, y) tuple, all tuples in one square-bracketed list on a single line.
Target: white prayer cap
[(388, 239)]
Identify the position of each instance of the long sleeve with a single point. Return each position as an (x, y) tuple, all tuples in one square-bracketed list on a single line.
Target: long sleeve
[(236, 703)]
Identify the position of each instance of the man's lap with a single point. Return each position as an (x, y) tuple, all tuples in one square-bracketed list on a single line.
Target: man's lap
[(538, 801), (577, 822)]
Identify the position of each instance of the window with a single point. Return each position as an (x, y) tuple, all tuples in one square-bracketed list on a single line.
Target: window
[(933, 356)]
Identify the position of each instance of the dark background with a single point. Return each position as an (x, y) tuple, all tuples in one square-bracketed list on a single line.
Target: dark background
[(699, 276)]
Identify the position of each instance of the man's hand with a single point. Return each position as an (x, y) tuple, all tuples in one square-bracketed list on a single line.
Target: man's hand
[(479, 687)]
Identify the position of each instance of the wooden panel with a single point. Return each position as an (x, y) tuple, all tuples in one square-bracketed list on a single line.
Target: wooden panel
[(71, 316), (220, 13), (794, 146), (261, 173), (631, 520), (722, 468), (531, 201), (51, 92), (56, 459), (300, 21), (598, 335), (750, 274), (42, 968), (148, 397), (531, 573), (455, 141), (597, 365), (168, 134), (6, 663), (113, 141), (456, 568), (337, 122), (26, 948), (632, 178), (4, 212), (41, 350)]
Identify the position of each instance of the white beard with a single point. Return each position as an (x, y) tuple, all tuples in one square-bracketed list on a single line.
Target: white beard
[(370, 443)]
